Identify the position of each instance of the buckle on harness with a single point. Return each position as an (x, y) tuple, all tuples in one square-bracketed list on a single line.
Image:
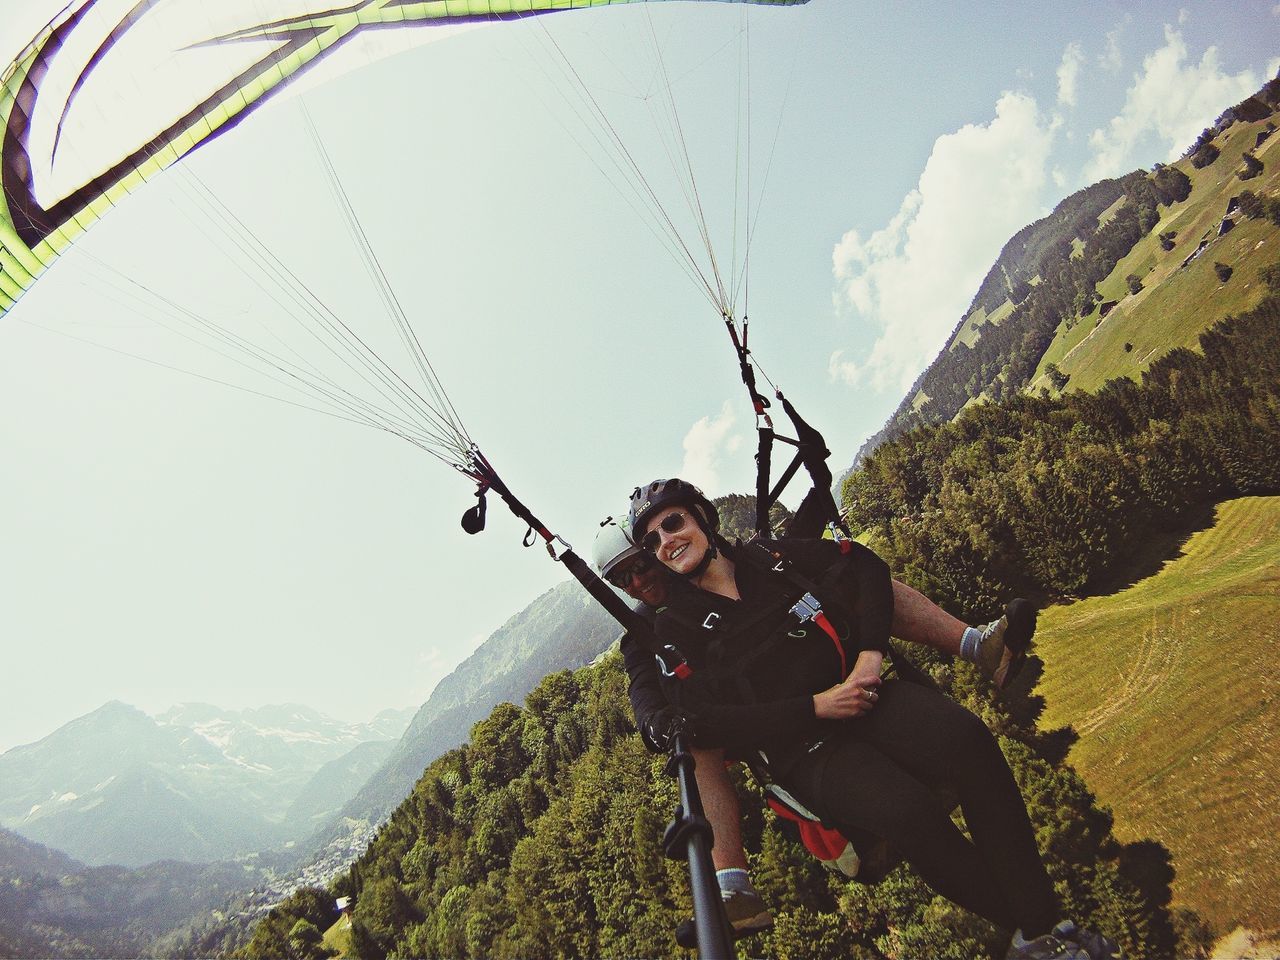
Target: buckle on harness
[(682, 670), (807, 607), (712, 619)]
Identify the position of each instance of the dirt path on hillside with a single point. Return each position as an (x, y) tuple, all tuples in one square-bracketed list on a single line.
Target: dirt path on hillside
[(1242, 944), (1158, 655)]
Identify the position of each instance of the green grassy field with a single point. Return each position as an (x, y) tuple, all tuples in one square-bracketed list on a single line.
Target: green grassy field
[(1172, 685), (338, 937)]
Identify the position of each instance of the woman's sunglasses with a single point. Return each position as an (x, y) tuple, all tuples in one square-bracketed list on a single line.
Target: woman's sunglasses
[(672, 523), (640, 564)]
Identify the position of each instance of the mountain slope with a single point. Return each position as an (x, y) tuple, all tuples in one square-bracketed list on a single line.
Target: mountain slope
[(563, 628), (1178, 299), (53, 906), (1098, 289), (334, 785), (197, 783)]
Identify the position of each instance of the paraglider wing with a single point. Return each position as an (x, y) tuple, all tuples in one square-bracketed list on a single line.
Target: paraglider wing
[(112, 92)]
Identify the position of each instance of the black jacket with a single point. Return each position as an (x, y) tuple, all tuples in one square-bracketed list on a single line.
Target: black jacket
[(754, 673), (645, 689)]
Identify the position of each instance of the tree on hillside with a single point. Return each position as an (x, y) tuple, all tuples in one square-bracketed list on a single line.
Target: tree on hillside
[(1270, 92), (1040, 497), (1223, 271), (383, 911), (1251, 205), (1206, 136), (1172, 185), (306, 942), (1133, 282), (1204, 155), (1270, 276), (286, 930), (738, 515), (1252, 166), (1272, 207)]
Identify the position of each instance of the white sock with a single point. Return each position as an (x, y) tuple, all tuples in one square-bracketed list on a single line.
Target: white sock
[(734, 880)]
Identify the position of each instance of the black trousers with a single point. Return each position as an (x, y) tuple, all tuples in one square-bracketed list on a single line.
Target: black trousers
[(877, 775)]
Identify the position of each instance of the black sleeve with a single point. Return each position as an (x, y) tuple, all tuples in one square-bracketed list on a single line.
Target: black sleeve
[(874, 604), (748, 727), (645, 689)]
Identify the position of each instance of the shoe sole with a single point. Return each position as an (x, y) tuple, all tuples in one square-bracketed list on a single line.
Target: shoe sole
[(687, 932), (1017, 639), (761, 921)]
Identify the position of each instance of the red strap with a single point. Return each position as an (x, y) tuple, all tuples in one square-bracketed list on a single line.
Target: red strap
[(683, 671), (823, 842), (821, 620), (846, 546)]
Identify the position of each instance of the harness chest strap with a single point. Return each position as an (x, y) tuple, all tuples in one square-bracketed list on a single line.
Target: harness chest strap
[(807, 608)]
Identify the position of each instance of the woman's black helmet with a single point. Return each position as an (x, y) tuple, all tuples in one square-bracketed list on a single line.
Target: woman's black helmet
[(649, 499)]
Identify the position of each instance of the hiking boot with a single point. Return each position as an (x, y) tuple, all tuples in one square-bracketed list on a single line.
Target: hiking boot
[(746, 912), (1095, 944), (1048, 947), (1002, 652)]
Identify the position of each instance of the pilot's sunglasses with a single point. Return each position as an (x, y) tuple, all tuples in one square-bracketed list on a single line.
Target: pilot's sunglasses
[(672, 523), (641, 564)]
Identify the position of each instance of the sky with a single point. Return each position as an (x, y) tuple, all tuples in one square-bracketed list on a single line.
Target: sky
[(165, 538)]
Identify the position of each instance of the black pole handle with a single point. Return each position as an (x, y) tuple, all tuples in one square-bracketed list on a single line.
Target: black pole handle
[(715, 941)]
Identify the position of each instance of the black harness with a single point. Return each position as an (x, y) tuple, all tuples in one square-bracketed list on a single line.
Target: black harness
[(728, 660), (801, 603)]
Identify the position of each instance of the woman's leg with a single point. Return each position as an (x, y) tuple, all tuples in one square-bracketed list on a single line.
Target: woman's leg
[(941, 744), (855, 788)]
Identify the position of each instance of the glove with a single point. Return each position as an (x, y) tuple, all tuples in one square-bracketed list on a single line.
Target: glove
[(659, 729)]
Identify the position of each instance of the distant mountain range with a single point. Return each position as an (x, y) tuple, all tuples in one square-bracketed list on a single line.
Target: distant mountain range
[(561, 630), (54, 906), (196, 783), (200, 783)]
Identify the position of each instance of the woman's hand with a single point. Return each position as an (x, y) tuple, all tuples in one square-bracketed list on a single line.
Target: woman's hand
[(866, 669), (852, 698)]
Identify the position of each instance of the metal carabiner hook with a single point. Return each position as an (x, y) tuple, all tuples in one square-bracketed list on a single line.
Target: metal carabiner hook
[(551, 550)]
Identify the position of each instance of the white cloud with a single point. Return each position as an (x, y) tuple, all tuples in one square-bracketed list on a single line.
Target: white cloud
[(1170, 102), (1069, 74), (912, 280), (706, 446), (1112, 59)]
